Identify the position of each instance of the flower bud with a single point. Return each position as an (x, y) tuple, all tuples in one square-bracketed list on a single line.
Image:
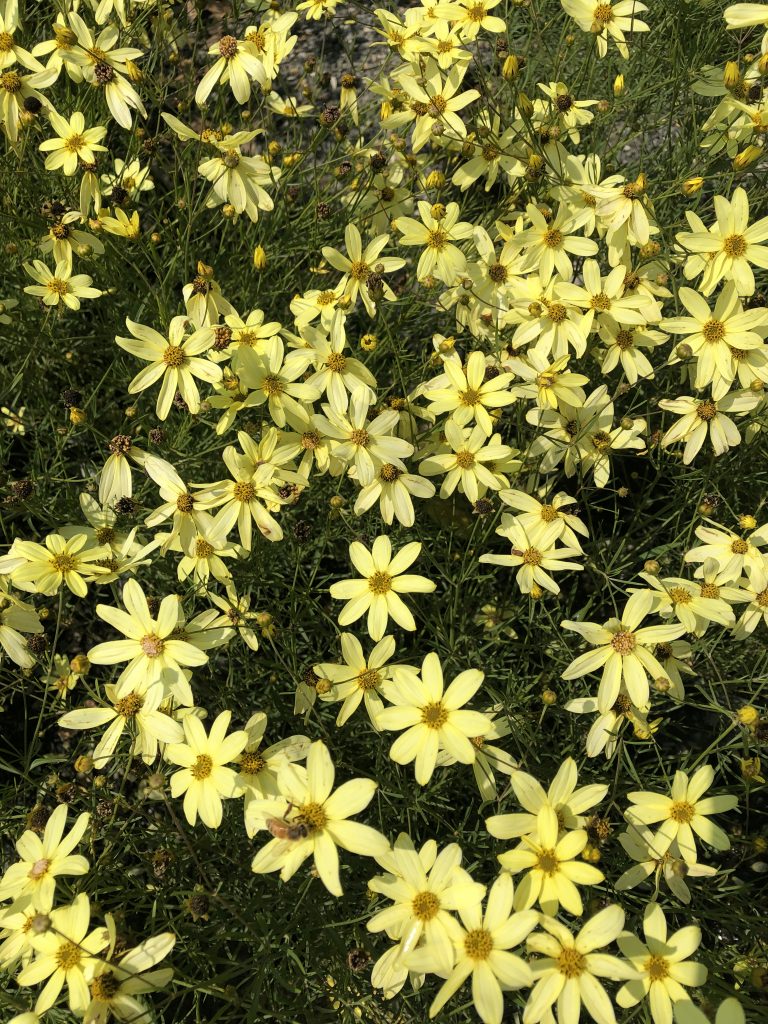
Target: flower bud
[(618, 85), (259, 257), (524, 105), (746, 157), (748, 715), (731, 75), (510, 68), (691, 186)]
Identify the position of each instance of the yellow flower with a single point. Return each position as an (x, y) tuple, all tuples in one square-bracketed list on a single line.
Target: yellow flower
[(466, 393), (59, 285), (174, 360), (569, 969), (482, 952), (75, 143), (43, 860), (61, 560), (684, 814), (66, 955), (433, 720), (320, 823), (383, 580), (440, 257), (662, 964), (204, 780), (553, 871)]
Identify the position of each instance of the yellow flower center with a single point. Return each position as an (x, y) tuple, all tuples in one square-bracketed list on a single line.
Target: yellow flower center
[(476, 12), (624, 642), (10, 81), (57, 286), (735, 246), (425, 906), (532, 556), (227, 47), (710, 590), (437, 239), (478, 944), (682, 812), (713, 331), (359, 271), (657, 967), (39, 869), (389, 473), (762, 598), (203, 549), (185, 503), (104, 987), (272, 385), (548, 862), (252, 763), (553, 238), (130, 705), (68, 956), (336, 362), (498, 273), (75, 143), (469, 397), (549, 513), (465, 460), (63, 563), (202, 767), (571, 963), (244, 491), (434, 716), (6, 42), (174, 356), (314, 815), (601, 440), (600, 302), (310, 440), (739, 547), (557, 312), (380, 583), (678, 595), (438, 105), (625, 339), (360, 438), (152, 645), (368, 679), (706, 410)]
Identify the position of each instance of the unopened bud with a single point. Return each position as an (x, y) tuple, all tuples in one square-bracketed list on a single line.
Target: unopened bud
[(259, 257), (731, 75), (618, 85), (691, 186), (746, 157), (510, 68)]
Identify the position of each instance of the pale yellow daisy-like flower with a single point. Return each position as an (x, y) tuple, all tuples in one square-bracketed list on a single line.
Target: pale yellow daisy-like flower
[(59, 286), (463, 465), (75, 143), (151, 647), (236, 65), (734, 555), (655, 855), (433, 719), (66, 955), (118, 985), (662, 963), (174, 359), (311, 820), (702, 417), (17, 617), (567, 973), (59, 560), (360, 679), (258, 768), (684, 814), (567, 801), (712, 334), (482, 945), (623, 650), (140, 708), (204, 778), (425, 887), (441, 257), (730, 243), (607, 21), (534, 557), (44, 859), (378, 591), (553, 872), (363, 269), (466, 394)]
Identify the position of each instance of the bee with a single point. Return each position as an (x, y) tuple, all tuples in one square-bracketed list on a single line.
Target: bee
[(290, 830)]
